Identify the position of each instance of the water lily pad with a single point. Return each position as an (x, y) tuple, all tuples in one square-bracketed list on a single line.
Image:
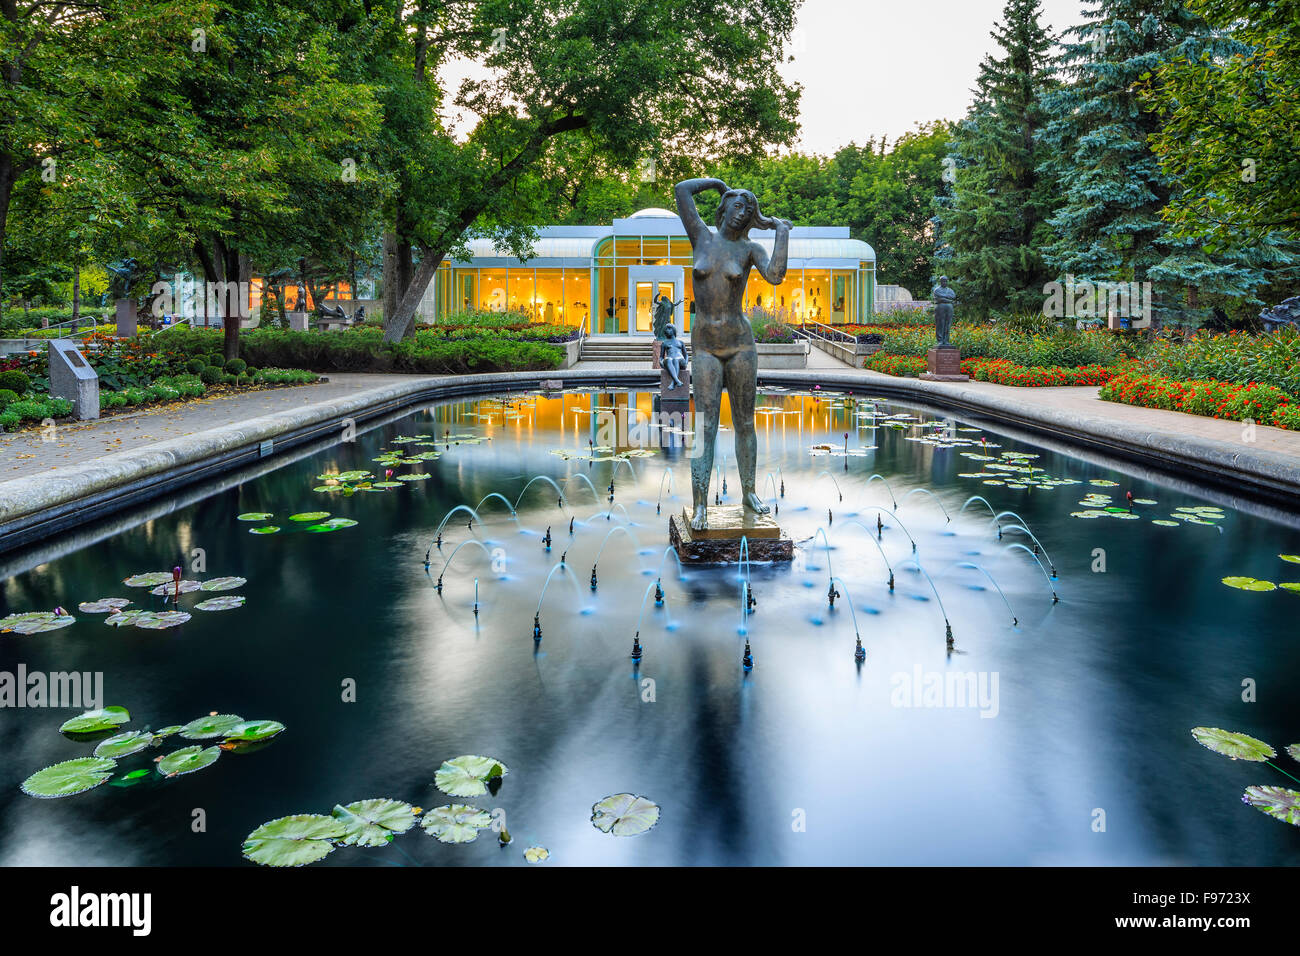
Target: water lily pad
[(168, 731), (293, 841), (123, 745), (309, 516), (148, 579), (254, 516), (1294, 751), (624, 814), (170, 588), (467, 776), (161, 620), (69, 777), (36, 622), (1249, 584), (227, 603), (1233, 745), (1165, 524), (387, 484), (1292, 586), (123, 618), (456, 823), (420, 477), (102, 606), (254, 730), (374, 822), (340, 523), (269, 529), (536, 854), (94, 721), (224, 584), (187, 760), (1293, 558), (215, 725), (1278, 802)]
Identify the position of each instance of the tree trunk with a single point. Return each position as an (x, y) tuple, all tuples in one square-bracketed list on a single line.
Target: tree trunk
[(402, 323), (233, 310), (76, 292), (389, 275), (7, 176)]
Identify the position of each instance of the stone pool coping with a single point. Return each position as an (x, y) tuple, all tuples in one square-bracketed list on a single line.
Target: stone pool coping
[(36, 506)]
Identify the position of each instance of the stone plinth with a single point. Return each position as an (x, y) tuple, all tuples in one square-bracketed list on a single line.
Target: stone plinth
[(71, 377), (943, 364), (669, 392), (127, 325), (297, 321), (719, 543)]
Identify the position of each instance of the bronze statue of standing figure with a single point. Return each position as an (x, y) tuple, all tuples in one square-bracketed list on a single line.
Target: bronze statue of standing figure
[(722, 343)]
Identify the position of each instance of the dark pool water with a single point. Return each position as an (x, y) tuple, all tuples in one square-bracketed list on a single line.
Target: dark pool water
[(808, 759)]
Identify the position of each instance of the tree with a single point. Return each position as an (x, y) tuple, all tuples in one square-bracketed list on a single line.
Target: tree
[(1230, 133), (677, 82), (994, 218), (1111, 225)]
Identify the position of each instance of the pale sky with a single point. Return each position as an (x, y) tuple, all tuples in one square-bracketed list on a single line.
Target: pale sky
[(873, 68), (879, 67)]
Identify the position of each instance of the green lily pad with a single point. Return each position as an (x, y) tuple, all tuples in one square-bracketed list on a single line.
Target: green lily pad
[(1278, 802), (1293, 558), (124, 618), (168, 731), (254, 516), (224, 584), (269, 529), (456, 823), (293, 841), (254, 730), (102, 606), (374, 822), (536, 854), (187, 760), (624, 814), (467, 776), (123, 745), (309, 516), (1233, 745), (387, 484), (69, 777), (94, 721), (1249, 584), (340, 523), (1294, 751), (420, 477), (227, 603), (168, 589), (214, 725), (1165, 524), (1293, 586), (148, 579), (161, 620), (36, 622)]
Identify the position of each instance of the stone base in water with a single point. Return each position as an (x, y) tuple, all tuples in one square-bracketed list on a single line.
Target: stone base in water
[(719, 543)]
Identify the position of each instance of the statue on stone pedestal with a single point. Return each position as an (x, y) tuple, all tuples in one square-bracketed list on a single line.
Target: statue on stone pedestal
[(722, 342), (125, 274), (944, 298), (673, 355)]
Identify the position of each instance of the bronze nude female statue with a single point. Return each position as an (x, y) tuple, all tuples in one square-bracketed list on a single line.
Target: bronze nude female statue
[(722, 343)]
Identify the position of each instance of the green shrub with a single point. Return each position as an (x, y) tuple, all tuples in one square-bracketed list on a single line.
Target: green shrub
[(195, 366), (15, 381), (210, 375), (251, 372), (236, 366), (35, 410), (7, 397), (9, 419), (111, 400)]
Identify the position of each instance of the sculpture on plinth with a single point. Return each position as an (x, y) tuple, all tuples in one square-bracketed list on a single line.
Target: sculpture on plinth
[(944, 298), (663, 314), (943, 362), (722, 342), (672, 355)]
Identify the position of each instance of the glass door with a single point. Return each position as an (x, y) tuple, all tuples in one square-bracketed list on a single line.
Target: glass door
[(644, 309)]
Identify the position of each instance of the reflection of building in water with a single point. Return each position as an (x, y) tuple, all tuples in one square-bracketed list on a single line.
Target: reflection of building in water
[(607, 276)]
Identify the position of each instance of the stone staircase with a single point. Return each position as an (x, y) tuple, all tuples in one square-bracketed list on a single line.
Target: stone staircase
[(618, 348)]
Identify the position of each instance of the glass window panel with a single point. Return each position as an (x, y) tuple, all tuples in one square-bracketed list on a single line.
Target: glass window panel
[(521, 290), (577, 298), (492, 285), (644, 294), (548, 296)]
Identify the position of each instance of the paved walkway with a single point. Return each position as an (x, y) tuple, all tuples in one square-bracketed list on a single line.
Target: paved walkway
[(27, 453)]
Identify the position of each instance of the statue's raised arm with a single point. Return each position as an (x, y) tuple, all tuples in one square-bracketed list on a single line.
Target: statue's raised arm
[(685, 193)]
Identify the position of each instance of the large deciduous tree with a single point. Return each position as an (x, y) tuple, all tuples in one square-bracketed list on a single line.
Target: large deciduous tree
[(673, 84)]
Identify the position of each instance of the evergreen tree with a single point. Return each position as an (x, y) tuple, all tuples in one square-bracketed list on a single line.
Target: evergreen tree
[(1111, 226), (994, 219)]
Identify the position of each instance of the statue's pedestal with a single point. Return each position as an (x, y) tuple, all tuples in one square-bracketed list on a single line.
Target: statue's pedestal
[(657, 348), (719, 543), (675, 393), (127, 324), (943, 364)]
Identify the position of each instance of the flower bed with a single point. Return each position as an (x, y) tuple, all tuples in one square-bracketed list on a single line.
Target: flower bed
[(1231, 357), (998, 371), (1259, 402)]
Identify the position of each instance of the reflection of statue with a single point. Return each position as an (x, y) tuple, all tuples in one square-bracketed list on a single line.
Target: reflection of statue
[(663, 316), (944, 298), (672, 355), (722, 341), (125, 274)]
